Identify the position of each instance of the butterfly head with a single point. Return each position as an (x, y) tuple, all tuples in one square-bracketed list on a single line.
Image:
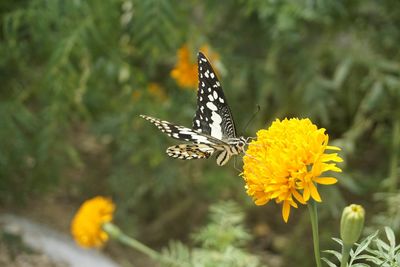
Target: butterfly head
[(241, 143)]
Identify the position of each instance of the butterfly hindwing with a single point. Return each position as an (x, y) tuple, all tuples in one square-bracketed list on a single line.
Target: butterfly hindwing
[(213, 116), (190, 151)]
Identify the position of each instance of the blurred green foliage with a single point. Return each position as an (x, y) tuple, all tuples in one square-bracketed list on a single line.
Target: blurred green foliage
[(221, 241), (75, 76)]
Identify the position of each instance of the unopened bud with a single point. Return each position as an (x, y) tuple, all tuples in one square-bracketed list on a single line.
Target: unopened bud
[(352, 223)]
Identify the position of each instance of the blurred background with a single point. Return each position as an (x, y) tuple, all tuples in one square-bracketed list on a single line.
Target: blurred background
[(76, 74)]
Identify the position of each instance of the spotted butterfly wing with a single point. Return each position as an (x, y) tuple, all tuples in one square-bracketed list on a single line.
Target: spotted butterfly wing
[(203, 146), (213, 115), (213, 126), (182, 133)]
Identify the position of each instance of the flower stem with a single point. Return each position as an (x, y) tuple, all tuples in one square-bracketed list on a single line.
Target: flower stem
[(345, 254), (393, 175), (117, 234), (312, 208)]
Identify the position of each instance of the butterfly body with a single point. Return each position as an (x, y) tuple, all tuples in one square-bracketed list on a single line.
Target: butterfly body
[(213, 130)]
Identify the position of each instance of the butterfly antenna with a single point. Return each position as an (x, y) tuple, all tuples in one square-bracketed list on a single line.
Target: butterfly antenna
[(252, 118)]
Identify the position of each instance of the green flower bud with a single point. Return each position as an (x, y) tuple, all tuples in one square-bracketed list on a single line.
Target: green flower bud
[(352, 223)]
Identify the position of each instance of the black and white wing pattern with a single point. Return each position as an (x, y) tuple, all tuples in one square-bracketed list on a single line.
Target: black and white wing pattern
[(182, 133), (203, 146), (213, 115), (190, 151), (213, 126)]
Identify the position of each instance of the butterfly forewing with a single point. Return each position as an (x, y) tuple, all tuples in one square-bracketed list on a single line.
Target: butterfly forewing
[(213, 116), (182, 133)]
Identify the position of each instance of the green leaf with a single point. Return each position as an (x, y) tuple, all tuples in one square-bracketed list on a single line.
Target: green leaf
[(391, 237), (365, 243), (334, 253), (330, 264)]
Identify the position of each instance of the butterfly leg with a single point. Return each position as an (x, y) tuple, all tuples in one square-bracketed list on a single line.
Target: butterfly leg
[(234, 165)]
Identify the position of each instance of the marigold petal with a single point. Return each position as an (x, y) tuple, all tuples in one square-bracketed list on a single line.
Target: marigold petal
[(333, 148), (325, 180), (331, 157), (331, 167), (298, 197), (260, 202), (306, 193), (286, 211), (314, 193), (275, 194)]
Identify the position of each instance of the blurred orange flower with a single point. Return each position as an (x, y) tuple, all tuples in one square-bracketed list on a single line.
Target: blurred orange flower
[(86, 226), (185, 70), (157, 91), (136, 95)]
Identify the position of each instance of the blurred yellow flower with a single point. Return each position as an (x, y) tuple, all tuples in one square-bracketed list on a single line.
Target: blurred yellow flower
[(136, 95), (156, 91), (86, 226), (286, 162), (185, 70)]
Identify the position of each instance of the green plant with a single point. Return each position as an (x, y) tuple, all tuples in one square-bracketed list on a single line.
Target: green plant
[(371, 251), (220, 243)]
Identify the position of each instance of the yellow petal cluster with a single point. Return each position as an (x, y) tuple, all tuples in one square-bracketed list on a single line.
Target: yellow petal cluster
[(285, 164), (86, 226), (185, 70)]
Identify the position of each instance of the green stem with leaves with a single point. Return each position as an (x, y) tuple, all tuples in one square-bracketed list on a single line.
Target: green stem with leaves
[(394, 155), (117, 234), (312, 208), (345, 254)]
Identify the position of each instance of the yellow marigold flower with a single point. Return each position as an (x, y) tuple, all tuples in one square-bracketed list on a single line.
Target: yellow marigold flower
[(185, 70), (86, 226), (286, 162)]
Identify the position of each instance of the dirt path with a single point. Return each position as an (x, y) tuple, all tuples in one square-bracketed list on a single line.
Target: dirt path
[(43, 246)]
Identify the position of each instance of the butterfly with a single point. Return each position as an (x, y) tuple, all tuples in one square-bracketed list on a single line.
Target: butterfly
[(213, 129)]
